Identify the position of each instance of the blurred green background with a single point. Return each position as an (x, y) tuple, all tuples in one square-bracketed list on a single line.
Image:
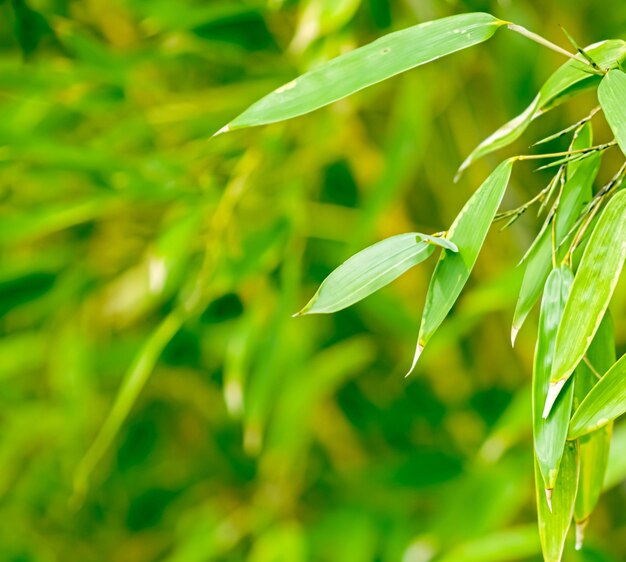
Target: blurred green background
[(131, 240)]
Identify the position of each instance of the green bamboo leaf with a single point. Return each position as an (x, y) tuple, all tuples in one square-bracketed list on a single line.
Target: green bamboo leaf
[(571, 74), (605, 402), (390, 55), (555, 522), (371, 269), (537, 268), (504, 136), (576, 193), (550, 434), (134, 381), (593, 447), (612, 97), (468, 232), (593, 286)]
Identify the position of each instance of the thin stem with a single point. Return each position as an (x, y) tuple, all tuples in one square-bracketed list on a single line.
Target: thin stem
[(605, 190), (591, 367), (576, 125), (522, 208), (615, 182), (553, 243), (553, 214), (567, 153), (596, 200), (544, 196), (543, 41), (579, 235), (581, 232), (580, 49), (552, 186)]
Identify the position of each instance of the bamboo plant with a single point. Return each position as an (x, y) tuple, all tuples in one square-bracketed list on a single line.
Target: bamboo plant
[(572, 267)]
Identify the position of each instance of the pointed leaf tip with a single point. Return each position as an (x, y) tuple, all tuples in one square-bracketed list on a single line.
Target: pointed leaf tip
[(305, 309), (371, 269), (418, 351), (553, 393), (549, 498), (580, 534), (468, 232), (223, 130), (514, 332), (460, 171)]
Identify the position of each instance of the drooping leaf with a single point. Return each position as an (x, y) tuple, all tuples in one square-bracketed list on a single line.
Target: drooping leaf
[(612, 96), (371, 269), (555, 520), (468, 232), (550, 434), (593, 286), (133, 383), (576, 192), (570, 74), (504, 136), (593, 447), (605, 402), (390, 55)]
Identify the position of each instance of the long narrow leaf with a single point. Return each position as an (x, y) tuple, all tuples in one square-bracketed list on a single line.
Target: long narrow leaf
[(572, 73), (612, 97), (550, 434), (593, 447), (555, 520), (353, 71), (468, 232), (133, 383), (371, 269), (605, 402), (599, 270)]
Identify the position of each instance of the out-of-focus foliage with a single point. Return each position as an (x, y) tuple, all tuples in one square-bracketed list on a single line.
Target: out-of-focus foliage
[(133, 248)]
